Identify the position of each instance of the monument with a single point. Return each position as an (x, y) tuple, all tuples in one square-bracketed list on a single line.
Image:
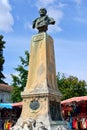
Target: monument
[(41, 98)]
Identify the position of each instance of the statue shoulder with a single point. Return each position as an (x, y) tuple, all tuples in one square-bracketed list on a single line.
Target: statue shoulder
[(51, 20), (34, 22)]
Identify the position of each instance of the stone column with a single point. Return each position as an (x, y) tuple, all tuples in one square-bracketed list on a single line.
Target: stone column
[(41, 97)]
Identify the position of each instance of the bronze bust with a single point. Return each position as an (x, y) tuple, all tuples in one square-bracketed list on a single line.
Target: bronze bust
[(42, 22)]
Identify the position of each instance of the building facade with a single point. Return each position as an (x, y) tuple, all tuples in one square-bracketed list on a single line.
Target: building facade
[(5, 93)]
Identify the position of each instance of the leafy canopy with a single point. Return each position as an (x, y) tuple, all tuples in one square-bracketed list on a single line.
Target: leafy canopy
[(19, 80), (2, 60), (71, 86)]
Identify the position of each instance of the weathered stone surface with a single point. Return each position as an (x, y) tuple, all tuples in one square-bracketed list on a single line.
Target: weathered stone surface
[(41, 97), (42, 71)]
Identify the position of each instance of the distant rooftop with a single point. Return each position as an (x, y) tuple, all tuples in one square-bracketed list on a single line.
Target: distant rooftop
[(5, 87)]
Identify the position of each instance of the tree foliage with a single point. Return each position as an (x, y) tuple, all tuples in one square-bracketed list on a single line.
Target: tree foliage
[(2, 60), (19, 80), (71, 86)]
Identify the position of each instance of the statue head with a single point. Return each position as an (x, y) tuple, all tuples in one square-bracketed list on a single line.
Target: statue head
[(43, 12)]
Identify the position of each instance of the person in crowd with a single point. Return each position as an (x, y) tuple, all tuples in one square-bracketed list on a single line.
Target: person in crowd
[(1, 124), (7, 125), (86, 123), (74, 124), (83, 123)]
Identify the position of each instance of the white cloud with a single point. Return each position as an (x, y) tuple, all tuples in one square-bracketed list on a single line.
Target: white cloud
[(47, 3), (57, 15), (44, 3), (81, 11), (27, 25), (6, 18), (81, 20), (61, 5), (78, 2), (8, 77)]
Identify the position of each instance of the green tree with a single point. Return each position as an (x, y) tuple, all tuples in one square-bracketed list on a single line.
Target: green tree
[(2, 60), (71, 86), (19, 81)]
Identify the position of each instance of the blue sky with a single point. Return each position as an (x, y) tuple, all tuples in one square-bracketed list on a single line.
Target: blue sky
[(69, 33)]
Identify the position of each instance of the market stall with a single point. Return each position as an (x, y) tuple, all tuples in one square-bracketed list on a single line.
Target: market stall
[(75, 111), (9, 113)]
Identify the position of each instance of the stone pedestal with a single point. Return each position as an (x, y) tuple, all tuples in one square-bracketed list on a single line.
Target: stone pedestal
[(41, 97)]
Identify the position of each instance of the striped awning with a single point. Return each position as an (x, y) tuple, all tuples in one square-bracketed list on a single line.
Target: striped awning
[(6, 105)]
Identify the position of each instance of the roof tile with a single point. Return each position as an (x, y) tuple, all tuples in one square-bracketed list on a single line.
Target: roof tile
[(5, 87)]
